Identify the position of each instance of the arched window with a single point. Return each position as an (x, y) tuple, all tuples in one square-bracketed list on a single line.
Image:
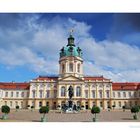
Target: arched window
[(78, 68), (40, 104), (63, 91), (71, 67), (78, 91), (107, 93), (93, 93)]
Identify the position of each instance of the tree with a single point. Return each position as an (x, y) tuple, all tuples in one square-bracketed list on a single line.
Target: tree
[(95, 110), (113, 106), (43, 110), (135, 109), (5, 109), (17, 107), (123, 107)]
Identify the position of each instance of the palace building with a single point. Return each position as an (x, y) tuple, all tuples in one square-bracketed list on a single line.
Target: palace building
[(53, 91)]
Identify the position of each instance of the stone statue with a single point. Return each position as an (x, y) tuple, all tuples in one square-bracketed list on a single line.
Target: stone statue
[(70, 91)]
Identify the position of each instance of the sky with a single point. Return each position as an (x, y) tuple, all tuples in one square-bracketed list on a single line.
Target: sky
[(30, 44)]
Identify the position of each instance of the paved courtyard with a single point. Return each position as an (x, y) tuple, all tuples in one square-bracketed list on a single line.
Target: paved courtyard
[(86, 116)]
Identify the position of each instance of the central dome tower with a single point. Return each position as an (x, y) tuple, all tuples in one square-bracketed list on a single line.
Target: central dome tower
[(71, 62)]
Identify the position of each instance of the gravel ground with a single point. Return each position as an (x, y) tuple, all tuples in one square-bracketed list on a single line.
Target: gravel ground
[(55, 116)]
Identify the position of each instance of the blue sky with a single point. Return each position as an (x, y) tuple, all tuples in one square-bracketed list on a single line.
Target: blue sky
[(30, 44)]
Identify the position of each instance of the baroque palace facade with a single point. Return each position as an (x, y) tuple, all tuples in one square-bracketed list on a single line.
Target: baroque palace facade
[(53, 91)]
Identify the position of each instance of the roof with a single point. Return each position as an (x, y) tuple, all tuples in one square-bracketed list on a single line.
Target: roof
[(15, 86), (126, 86), (95, 78), (47, 78)]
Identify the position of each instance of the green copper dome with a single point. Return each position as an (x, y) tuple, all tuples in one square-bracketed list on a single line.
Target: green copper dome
[(70, 49)]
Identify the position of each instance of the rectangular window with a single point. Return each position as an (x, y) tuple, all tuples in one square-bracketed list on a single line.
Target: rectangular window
[(129, 94), (114, 94), (119, 94), (22, 94), (12, 94), (124, 94), (17, 94), (6, 94)]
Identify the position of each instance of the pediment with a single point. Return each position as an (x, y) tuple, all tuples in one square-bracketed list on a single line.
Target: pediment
[(71, 78)]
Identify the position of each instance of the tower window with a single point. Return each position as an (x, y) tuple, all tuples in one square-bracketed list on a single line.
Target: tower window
[(63, 68), (78, 68), (71, 67)]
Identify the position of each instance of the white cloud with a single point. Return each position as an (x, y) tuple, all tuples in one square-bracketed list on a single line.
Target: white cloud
[(37, 45)]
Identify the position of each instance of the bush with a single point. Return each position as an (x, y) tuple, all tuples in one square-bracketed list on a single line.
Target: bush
[(95, 110), (43, 110), (5, 109), (135, 109)]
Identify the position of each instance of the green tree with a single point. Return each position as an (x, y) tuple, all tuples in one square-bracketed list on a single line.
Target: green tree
[(95, 110), (5, 109), (43, 110), (17, 107), (135, 110)]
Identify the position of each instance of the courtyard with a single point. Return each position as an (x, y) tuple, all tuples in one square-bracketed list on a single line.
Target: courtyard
[(84, 116)]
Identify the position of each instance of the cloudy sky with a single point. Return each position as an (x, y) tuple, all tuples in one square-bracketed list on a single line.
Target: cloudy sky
[(30, 44)]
